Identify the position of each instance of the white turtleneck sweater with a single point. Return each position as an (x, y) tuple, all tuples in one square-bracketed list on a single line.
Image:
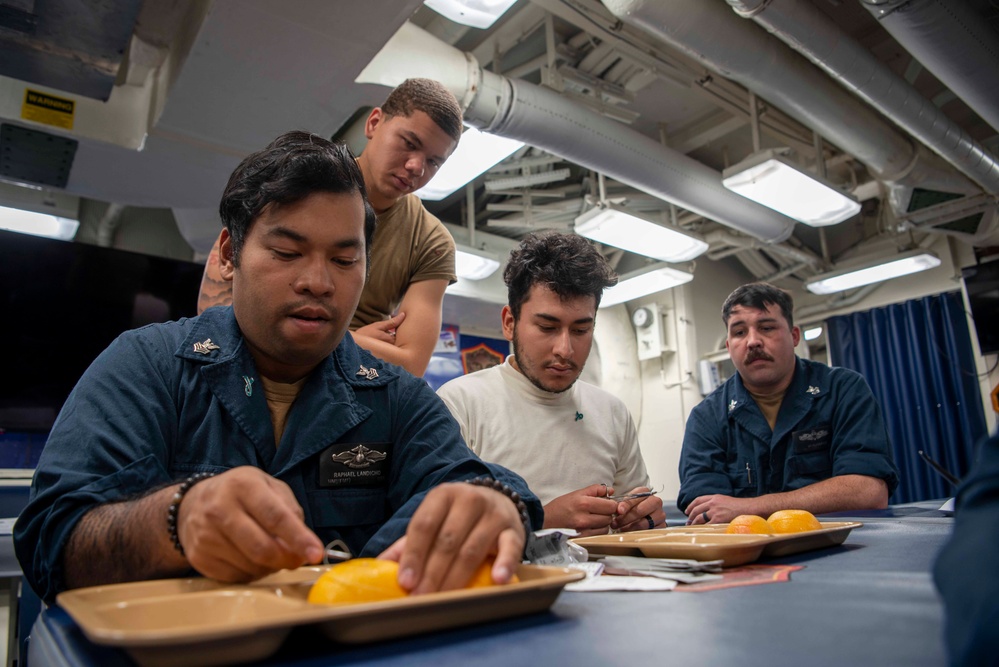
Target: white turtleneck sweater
[(557, 442)]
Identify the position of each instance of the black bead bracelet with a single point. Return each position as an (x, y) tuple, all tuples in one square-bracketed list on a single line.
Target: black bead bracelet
[(175, 506), (505, 489)]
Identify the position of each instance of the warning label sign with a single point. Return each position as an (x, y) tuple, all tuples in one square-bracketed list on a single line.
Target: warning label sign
[(48, 109)]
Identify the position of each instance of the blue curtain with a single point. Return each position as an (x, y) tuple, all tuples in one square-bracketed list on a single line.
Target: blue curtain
[(918, 359)]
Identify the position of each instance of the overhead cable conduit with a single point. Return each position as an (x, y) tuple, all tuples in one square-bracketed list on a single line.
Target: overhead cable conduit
[(952, 42), (708, 31), (809, 32), (541, 117)]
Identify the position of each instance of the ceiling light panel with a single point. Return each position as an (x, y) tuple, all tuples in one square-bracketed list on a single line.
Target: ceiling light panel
[(613, 226)]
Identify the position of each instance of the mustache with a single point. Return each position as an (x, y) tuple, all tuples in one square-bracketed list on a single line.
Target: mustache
[(755, 355)]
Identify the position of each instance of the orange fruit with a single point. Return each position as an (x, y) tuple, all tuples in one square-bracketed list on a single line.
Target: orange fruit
[(793, 521), (373, 580), (749, 524), (358, 580), (484, 576)]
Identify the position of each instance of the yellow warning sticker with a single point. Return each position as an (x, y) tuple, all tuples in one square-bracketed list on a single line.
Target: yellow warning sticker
[(48, 109)]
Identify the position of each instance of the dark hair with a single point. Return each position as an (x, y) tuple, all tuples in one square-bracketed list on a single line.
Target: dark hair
[(429, 96), (292, 167), (759, 296), (564, 263)]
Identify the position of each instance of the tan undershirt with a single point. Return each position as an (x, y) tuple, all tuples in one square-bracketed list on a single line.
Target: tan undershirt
[(279, 397), (769, 406)]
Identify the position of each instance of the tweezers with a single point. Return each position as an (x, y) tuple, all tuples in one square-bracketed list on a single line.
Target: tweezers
[(629, 496)]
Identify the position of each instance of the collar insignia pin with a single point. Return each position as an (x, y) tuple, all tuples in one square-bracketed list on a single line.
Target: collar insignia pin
[(367, 373), (814, 391), (248, 389), (732, 404), (205, 346)]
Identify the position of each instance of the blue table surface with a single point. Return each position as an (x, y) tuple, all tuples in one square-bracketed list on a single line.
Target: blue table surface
[(870, 601)]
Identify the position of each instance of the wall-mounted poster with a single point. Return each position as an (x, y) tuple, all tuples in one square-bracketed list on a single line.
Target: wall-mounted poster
[(445, 363), (458, 354), (478, 353)]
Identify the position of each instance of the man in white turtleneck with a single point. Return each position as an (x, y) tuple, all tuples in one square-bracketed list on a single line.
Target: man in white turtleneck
[(574, 443)]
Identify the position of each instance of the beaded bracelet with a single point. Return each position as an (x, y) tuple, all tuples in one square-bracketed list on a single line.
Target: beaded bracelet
[(496, 485), (175, 506)]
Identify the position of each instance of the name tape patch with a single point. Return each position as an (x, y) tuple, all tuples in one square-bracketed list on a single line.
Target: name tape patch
[(354, 464)]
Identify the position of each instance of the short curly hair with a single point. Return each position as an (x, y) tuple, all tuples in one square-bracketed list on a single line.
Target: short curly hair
[(759, 296), (432, 98), (289, 169), (564, 263)]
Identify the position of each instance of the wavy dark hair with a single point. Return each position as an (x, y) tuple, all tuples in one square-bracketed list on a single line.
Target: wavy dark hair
[(759, 296), (292, 167), (432, 98), (564, 263)]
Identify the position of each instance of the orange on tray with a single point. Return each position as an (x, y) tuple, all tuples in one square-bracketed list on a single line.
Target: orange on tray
[(358, 580), (749, 524), (373, 580), (793, 521)]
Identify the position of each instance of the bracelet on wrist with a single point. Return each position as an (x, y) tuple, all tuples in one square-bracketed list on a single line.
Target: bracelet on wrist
[(496, 485), (174, 508)]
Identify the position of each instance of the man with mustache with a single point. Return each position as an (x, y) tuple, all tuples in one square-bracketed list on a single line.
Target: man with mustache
[(783, 432), (412, 254), (574, 443), (245, 440)]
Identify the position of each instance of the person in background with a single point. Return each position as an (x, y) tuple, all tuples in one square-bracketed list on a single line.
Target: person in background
[(783, 432), (965, 572), (249, 438), (573, 442), (412, 254)]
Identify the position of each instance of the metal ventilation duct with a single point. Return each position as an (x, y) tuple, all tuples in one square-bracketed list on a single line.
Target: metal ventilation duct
[(709, 32), (802, 27), (543, 118), (953, 42)]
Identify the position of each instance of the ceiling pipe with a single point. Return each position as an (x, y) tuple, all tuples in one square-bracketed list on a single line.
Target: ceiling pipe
[(708, 31), (950, 40), (809, 32), (724, 238), (108, 224), (541, 117)]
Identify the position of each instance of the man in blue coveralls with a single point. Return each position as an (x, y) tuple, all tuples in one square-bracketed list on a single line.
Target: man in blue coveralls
[(247, 439), (783, 432)]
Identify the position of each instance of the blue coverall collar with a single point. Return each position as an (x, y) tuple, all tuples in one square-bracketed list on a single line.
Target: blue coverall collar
[(325, 409)]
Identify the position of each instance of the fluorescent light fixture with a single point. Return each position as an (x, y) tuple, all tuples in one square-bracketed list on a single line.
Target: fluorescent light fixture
[(472, 264), (770, 179), (476, 152), (813, 333), (474, 13), (611, 225), (37, 224), (873, 271), (644, 282)]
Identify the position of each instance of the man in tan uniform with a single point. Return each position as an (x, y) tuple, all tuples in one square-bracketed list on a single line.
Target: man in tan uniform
[(412, 254)]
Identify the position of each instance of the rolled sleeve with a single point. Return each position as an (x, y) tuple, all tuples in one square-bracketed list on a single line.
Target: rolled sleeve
[(860, 440)]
